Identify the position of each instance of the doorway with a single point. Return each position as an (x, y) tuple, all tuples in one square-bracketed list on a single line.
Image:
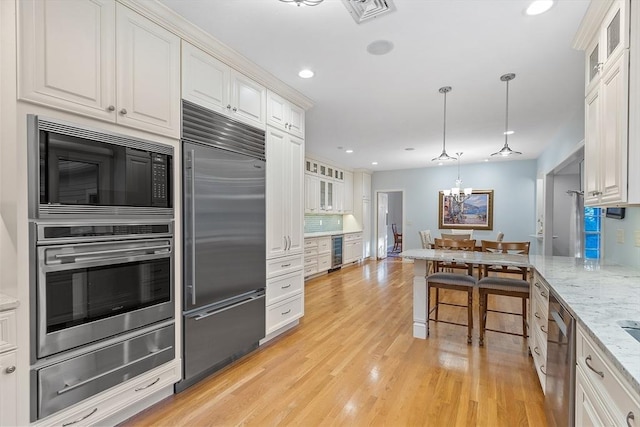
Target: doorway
[(389, 223)]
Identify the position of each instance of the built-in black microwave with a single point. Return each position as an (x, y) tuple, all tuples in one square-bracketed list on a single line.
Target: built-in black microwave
[(86, 172)]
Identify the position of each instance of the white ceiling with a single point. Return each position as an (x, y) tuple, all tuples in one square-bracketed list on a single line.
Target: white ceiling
[(380, 105)]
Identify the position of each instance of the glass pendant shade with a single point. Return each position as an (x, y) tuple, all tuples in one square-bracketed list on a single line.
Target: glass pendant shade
[(505, 150), (304, 2)]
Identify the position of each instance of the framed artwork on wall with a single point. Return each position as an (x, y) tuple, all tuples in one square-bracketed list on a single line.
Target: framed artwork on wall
[(476, 212)]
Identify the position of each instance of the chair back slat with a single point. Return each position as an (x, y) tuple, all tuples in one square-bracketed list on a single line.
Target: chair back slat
[(505, 248), (448, 236), (456, 245)]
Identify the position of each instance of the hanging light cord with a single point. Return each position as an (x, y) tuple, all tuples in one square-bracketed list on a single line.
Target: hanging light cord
[(444, 124), (506, 118)]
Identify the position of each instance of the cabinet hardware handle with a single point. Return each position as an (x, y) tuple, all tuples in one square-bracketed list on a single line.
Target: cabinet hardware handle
[(542, 328), (111, 108), (234, 109), (80, 419), (286, 312), (537, 285), (285, 287), (536, 351), (228, 106), (285, 265), (286, 125), (544, 294), (598, 66), (587, 360), (123, 111), (537, 315), (10, 370), (630, 417), (148, 385), (542, 369)]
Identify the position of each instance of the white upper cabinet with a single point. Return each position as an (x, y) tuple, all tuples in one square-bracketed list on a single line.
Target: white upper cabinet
[(148, 74), (205, 80), (284, 115), (208, 82), (67, 53), (100, 59), (608, 116)]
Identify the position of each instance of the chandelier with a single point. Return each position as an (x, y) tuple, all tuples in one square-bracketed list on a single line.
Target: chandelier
[(305, 2), (458, 194), (444, 156), (506, 151)]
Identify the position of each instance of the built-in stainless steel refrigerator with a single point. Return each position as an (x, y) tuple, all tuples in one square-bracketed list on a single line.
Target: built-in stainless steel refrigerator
[(224, 273)]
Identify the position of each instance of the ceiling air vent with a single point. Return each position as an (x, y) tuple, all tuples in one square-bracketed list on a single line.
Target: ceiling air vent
[(363, 10)]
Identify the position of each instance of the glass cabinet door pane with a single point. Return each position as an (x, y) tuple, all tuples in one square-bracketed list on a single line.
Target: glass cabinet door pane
[(613, 34), (329, 194), (323, 191), (594, 63)]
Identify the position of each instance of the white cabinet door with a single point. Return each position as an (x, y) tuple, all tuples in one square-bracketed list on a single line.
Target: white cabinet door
[(66, 55), (348, 192), (276, 192), (205, 80), (590, 410), (148, 73), (311, 194), (614, 113), (277, 111), (296, 193), (338, 197), (592, 148), (296, 121), (8, 389), (248, 100)]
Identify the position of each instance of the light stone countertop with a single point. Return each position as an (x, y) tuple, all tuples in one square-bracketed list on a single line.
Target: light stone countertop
[(598, 295), (8, 303), (329, 233)]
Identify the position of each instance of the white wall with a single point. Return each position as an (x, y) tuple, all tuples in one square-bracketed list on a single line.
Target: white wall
[(513, 183), (626, 253)]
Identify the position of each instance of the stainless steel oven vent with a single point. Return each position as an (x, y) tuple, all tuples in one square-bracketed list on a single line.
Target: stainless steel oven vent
[(364, 10)]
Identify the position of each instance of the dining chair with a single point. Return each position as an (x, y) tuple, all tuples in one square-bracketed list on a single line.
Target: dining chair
[(397, 238), (498, 284), (456, 236), (469, 232), (453, 281), (500, 236), (425, 239)]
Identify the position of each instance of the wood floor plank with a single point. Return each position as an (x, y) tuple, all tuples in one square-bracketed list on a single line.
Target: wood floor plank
[(353, 361)]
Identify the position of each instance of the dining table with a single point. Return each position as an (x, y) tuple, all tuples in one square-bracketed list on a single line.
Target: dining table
[(421, 259)]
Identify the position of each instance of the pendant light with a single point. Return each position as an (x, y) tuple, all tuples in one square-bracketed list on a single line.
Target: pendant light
[(305, 2), (444, 156), (506, 151)]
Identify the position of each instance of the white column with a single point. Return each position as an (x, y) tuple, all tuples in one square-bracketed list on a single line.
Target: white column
[(420, 299)]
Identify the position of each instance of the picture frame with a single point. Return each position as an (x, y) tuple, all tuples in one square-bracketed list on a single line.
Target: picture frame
[(475, 213)]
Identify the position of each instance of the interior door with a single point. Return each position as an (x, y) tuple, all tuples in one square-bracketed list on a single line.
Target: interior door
[(381, 241)]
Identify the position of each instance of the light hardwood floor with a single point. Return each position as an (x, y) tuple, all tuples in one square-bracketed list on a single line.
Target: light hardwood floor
[(353, 361)]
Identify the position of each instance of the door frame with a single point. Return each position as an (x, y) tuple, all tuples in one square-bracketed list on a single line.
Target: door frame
[(404, 209)]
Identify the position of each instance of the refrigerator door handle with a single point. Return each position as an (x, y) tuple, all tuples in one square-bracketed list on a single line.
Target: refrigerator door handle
[(192, 185), (228, 307)]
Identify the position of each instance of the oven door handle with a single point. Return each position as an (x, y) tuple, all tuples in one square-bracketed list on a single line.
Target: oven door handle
[(68, 388), (132, 251)]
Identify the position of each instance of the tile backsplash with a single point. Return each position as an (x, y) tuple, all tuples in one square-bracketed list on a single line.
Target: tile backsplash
[(318, 223)]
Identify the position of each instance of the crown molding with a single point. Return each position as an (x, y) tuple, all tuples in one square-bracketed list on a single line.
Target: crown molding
[(191, 33), (590, 25)]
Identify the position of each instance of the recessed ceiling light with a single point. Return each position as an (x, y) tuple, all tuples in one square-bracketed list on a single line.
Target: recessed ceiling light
[(486, 160), (409, 149), (539, 6), (349, 151), (306, 73), (380, 47), (440, 164), (374, 163), (509, 132)]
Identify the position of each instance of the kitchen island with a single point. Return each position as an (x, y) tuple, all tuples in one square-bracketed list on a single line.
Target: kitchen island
[(599, 295)]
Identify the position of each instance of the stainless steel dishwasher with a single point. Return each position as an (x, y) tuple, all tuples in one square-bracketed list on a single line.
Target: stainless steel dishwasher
[(561, 365)]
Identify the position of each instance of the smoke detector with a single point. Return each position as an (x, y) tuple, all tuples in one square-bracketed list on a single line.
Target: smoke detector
[(364, 10)]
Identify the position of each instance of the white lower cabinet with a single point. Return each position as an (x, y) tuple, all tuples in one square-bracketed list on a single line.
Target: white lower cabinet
[(538, 323), (284, 295), (281, 314), (603, 396), (352, 251), (317, 255), (8, 368)]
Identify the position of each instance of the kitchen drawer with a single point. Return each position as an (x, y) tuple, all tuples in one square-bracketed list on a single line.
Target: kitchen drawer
[(324, 245), (540, 290), (309, 261), (282, 313), (324, 262), (92, 411), (310, 243), (283, 287), (284, 265), (312, 269), (7, 330), (310, 253), (617, 396), (352, 236)]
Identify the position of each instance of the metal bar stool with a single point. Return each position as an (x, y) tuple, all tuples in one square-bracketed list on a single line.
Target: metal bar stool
[(453, 281), (517, 287)]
